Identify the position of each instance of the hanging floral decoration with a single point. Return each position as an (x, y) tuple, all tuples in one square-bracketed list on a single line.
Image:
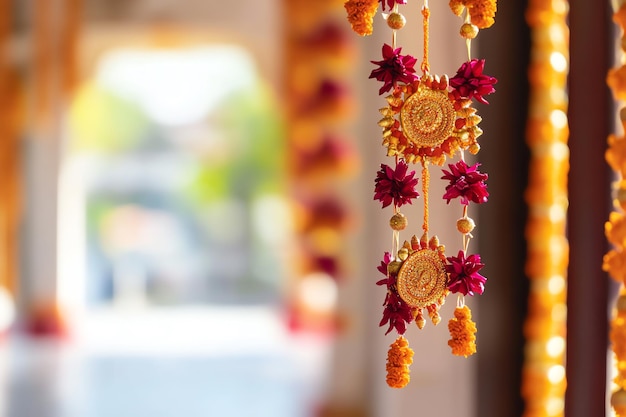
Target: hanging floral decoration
[(543, 372), (321, 156), (615, 228), (427, 119)]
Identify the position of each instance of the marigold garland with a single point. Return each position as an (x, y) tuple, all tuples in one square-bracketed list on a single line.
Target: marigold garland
[(615, 228), (427, 119), (462, 332), (399, 357), (318, 51), (546, 196), (361, 15)]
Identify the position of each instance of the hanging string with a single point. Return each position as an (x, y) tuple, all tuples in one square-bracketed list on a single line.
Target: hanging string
[(426, 14), (468, 41), (466, 236), (425, 186)]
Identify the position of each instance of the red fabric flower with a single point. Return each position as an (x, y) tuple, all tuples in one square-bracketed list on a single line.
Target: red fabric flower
[(470, 82), (464, 276), (391, 3), (395, 186), (465, 182), (394, 68), (396, 312)]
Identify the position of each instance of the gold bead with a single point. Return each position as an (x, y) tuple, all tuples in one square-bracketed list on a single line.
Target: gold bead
[(396, 21), (620, 304), (465, 225), (620, 196), (403, 253), (420, 321), (468, 31), (393, 267), (618, 401), (398, 222)]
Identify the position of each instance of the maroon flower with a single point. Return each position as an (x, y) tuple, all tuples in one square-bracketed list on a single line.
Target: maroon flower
[(396, 313), (465, 182), (470, 82), (395, 186), (391, 3), (394, 68), (382, 268), (464, 276)]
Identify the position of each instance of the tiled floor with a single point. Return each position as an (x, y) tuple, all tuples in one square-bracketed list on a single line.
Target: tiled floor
[(171, 372)]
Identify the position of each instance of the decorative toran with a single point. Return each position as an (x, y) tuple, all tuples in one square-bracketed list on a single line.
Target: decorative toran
[(426, 120), (318, 52), (543, 372), (615, 227)]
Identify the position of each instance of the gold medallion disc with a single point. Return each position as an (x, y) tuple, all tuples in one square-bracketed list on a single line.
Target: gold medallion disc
[(422, 278), (427, 117)]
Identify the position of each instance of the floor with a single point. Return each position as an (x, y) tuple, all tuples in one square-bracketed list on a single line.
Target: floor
[(181, 363)]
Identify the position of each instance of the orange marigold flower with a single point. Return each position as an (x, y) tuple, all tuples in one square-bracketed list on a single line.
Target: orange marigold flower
[(618, 337), (619, 16), (615, 155), (457, 6), (482, 12), (615, 229), (361, 15), (462, 332), (616, 79), (614, 262), (399, 357)]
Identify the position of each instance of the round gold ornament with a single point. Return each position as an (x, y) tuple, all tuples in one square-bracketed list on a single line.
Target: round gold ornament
[(422, 278), (618, 402), (469, 31), (396, 21), (465, 225), (398, 222), (427, 117)]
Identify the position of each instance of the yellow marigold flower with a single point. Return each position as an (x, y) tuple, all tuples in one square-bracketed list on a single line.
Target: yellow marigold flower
[(462, 332), (614, 262), (616, 79), (361, 15), (615, 229), (399, 357)]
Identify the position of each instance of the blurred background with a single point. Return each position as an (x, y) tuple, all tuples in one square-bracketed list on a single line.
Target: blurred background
[(187, 224)]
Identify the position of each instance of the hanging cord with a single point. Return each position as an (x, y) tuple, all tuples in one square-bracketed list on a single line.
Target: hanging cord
[(425, 186), (468, 41), (466, 236), (393, 31), (426, 14)]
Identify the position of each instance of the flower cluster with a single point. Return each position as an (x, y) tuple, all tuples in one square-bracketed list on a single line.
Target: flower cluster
[(394, 68), (395, 186), (397, 313), (361, 15), (399, 357), (466, 182), (462, 332), (463, 274), (470, 82), (482, 12)]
